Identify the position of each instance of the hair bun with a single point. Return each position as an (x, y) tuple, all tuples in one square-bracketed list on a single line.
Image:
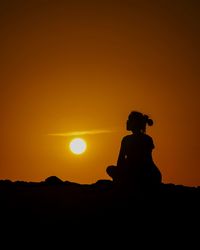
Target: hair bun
[(150, 122)]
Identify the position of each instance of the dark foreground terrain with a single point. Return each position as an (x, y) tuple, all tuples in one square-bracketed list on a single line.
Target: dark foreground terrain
[(100, 210)]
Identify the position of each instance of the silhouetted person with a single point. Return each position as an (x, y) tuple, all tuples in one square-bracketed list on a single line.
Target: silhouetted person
[(135, 166)]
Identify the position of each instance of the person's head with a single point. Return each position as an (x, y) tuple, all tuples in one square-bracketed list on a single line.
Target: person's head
[(137, 122)]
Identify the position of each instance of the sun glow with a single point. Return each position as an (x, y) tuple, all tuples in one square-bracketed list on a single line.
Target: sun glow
[(78, 146)]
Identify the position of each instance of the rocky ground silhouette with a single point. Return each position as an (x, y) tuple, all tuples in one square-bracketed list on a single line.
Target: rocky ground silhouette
[(100, 207)]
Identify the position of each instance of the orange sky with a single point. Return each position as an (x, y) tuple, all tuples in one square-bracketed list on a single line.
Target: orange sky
[(84, 65)]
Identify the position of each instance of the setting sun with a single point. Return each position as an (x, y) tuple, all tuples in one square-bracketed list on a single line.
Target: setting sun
[(78, 146)]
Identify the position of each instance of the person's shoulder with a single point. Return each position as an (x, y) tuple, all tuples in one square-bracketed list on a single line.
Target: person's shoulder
[(126, 138), (149, 140), (148, 137)]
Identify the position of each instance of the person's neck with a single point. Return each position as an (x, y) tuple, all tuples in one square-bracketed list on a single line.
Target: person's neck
[(136, 132)]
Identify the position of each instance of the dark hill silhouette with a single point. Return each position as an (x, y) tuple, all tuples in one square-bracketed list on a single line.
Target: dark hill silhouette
[(99, 209), (53, 200)]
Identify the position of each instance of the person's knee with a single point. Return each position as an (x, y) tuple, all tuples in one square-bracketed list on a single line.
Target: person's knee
[(110, 170)]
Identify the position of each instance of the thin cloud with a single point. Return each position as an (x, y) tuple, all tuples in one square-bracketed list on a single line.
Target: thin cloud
[(87, 132)]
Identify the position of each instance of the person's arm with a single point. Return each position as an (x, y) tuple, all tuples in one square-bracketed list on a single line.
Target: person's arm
[(122, 155)]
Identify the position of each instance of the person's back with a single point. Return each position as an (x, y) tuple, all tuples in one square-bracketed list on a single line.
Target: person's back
[(137, 150)]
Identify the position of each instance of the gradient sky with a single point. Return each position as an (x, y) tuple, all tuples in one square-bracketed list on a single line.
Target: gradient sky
[(83, 66)]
